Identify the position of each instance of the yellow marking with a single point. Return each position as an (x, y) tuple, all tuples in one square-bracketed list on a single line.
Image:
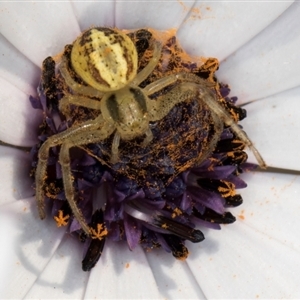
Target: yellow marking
[(176, 212), (61, 220), (100, 233), (227, 191)]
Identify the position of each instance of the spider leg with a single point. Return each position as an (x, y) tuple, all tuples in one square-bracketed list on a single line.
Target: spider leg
[(141, 76), (163, 82), (79, 139), (148, 138), (182, 92), (208, 99), (115, 148), (159, 108), (64, 103), (81, 134)]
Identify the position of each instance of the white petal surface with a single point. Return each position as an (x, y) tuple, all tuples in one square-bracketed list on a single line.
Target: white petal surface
[(158, 15), (274, 124), (217, 29), (122, 274), (269, 63), (15, 182), (33, 242), (63, 276), (174, 278), (38, 29), (17, 69), (19, 121), (250, 259), (99, 13), (256, 257), (271, 206)]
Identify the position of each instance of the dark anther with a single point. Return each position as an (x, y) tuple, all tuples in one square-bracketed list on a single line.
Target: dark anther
[(213, 217), (179, 250), (225, 188), (239, 112), (234, 201), (96, 246), (229, 145), (142, 43), (49, 82), (179, 229), (235, 158), (67, 52)]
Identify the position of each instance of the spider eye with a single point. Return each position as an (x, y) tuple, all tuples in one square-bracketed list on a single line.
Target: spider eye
[(104, 58)]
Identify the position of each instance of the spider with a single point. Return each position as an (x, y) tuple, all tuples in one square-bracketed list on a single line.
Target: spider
[(101, 74)]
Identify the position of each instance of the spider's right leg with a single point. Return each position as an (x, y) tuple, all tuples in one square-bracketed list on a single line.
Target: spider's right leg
[(184, 91), (189, 86)]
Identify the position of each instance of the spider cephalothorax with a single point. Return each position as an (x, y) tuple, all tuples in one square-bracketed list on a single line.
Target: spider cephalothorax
[(100, 73)]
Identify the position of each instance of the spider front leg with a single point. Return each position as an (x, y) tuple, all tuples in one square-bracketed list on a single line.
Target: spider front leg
[(159, 108), (65, 162), (142, 75), (191, 86), (89, 132), (43, 156), (67, 100)]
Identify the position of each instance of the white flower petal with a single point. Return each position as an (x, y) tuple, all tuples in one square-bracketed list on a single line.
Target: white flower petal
[(273, 124), (99, 14), (16, 184), (32, 242), (17, 69), (158, 15), (19, 121), (258, 256), (242, 263), (63, 277), (250, 258), (269, 63), (38, 29), (250, 263), (217, 29), (122, 274), (174, 278), (271, 206)]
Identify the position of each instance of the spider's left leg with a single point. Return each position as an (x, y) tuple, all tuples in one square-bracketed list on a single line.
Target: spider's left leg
[(174, 78), (203, 87), (186, 90), (209, 99), (79, 139), (141, 76)]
